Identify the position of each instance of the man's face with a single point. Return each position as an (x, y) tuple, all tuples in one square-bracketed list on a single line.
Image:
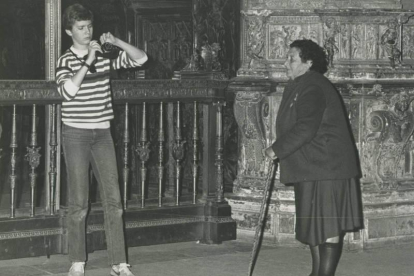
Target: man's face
[(294, 65), (81, 33)]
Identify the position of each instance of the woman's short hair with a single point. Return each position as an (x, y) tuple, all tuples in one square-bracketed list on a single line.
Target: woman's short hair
[(309, 50), (74, 13)]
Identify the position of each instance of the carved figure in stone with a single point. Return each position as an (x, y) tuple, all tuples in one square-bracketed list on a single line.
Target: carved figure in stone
[(401, 103), (356, 36), (215, 49), (256, 40), (371, 42), (331, 30), (313, 35), (408, 42), (389, 43), (191, 63), (344, 42), (278, 45), (291, 34), (209, 54)]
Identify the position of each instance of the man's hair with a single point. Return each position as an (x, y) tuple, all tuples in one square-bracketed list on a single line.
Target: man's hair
[(309, 50), (74, 13)]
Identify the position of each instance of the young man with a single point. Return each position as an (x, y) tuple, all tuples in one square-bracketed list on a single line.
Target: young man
[(83, 78)]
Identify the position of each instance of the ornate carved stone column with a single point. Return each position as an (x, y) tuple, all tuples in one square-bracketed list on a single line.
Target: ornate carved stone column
[(255, 113)]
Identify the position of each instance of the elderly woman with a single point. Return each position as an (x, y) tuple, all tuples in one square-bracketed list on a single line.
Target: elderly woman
[(317, 155)]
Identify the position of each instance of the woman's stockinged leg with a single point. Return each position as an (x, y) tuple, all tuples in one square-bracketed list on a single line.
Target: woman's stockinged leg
[(315, 260), (330, 253)]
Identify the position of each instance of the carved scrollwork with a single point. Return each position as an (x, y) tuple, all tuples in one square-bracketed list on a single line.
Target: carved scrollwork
[(390, 129)]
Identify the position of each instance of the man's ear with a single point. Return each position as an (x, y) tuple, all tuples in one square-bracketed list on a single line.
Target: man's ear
[(69, 32), (309, 62)]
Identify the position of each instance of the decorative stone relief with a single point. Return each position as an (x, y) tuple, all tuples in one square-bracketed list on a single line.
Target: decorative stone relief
[(331, 29), (284, 30), (389, 43), (360, 44), (366, 4), (284, 4), (386, 145), (256, 39), (255, 113), (249, 109)]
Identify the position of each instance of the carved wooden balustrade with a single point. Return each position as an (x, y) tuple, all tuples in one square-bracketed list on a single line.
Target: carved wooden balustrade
[(168, 136)]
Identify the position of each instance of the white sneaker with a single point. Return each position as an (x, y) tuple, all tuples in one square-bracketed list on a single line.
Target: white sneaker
[(121, 270), (77, 269)]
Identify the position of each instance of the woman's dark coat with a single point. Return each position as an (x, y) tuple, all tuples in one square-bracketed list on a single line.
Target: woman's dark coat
[(314, 140)]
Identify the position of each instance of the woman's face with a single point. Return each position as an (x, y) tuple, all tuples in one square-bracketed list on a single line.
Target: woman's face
[(294, 65)]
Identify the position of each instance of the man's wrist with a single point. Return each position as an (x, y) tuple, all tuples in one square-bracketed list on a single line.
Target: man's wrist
[(86, 65)]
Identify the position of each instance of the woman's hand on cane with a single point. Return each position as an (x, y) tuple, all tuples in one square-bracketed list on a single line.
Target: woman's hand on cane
[(269, 153)]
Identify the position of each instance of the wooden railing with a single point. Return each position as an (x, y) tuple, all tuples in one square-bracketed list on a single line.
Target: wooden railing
[(185, 138), (168, 137)]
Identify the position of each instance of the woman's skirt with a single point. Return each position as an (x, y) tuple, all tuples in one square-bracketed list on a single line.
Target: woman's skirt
[(326, 209)]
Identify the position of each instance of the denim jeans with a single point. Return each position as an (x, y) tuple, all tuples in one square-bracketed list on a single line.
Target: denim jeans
[(83, 147)]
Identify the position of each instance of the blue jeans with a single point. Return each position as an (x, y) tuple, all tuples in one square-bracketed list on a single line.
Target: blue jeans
[(92, 146)]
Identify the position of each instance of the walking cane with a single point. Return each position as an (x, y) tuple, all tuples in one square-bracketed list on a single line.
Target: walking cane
[(263, 212)]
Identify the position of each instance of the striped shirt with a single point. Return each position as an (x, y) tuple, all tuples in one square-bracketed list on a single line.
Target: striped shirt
[(91, 103)]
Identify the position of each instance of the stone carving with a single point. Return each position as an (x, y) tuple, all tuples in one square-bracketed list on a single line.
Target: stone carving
[(281, 37), (408, 35), (277, 44), (192, 63), (256, 38), (408, 42), (348, 36), (371, 42), (331, 29), (366, 4), (389, 43), (390, 124), (357, 41), (250, 109), (345, 41), (209, 55), (285, 4)]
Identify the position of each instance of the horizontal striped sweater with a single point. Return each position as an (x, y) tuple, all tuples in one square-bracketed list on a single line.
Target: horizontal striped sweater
[(92, 104)]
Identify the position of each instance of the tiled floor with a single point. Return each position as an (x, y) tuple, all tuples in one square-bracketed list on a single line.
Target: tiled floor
[(229, 258)]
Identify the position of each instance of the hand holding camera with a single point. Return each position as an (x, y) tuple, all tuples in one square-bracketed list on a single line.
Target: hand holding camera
[(109, 50)]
